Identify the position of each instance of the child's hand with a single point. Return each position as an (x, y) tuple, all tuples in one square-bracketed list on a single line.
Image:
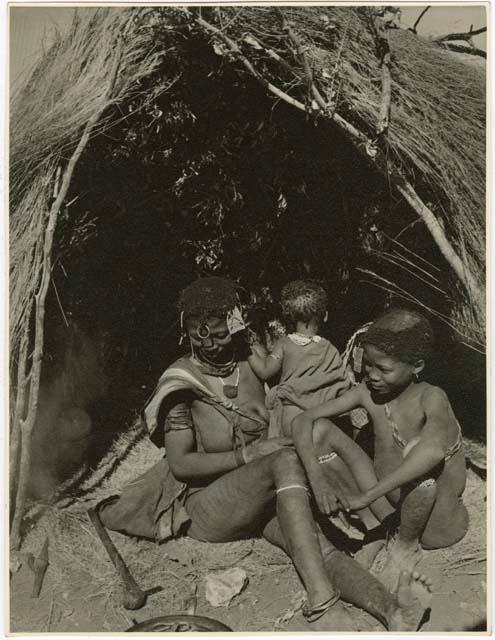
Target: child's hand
[(328, 498), (357, 502)]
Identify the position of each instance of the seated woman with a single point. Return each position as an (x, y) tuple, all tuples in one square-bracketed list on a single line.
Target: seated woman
[(234, 483), (419, 465)]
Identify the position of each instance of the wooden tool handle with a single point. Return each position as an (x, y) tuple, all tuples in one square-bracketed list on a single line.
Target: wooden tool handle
[(134, 597)]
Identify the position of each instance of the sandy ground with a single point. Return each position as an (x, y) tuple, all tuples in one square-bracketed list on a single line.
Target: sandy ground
[(81, 592)]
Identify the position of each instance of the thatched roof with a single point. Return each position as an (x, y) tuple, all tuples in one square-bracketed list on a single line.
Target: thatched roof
[(436, 137)]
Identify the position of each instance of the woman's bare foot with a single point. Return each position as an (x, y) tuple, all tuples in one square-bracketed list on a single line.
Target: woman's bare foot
[(413, 599), (395, 559), (337, 618)]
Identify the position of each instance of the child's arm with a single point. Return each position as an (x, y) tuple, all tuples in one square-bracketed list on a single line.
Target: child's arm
[(266, 367), (424, 456), (346, 402), (302, 436)]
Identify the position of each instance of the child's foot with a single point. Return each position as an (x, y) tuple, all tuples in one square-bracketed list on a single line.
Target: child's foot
[(413, 599), (397, 557), (368, 552)]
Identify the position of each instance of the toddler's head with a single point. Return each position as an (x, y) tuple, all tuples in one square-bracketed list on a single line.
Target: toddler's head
[(303, 301)]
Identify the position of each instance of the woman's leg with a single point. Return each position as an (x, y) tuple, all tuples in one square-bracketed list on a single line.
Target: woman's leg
[(238, 504), (398, 611)]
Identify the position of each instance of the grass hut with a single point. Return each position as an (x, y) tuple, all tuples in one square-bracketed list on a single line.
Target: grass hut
[(151, 145)]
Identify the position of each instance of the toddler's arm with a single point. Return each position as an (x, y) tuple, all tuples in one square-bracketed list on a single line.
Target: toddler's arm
[(266, 367), (426, 454)]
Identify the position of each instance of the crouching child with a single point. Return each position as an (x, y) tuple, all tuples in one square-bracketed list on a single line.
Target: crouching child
[(418, 467)]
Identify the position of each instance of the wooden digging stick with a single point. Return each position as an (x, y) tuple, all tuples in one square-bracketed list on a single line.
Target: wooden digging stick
[(134, 597)]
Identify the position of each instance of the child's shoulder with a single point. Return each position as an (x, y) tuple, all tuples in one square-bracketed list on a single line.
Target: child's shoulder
[(431, 395)]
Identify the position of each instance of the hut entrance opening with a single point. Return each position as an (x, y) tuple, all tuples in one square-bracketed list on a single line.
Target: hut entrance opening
[(212, 176)]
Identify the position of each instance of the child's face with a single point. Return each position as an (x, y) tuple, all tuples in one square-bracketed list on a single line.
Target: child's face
[(385, 374)]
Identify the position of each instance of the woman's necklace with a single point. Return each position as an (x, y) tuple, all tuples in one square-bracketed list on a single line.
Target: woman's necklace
[(211, 368), (231, 390)]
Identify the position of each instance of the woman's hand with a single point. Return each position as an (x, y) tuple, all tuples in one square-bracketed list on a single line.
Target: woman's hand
[(262, 448)]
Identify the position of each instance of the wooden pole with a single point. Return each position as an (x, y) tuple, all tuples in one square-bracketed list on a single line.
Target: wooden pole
[(27, 424), (20, 407)]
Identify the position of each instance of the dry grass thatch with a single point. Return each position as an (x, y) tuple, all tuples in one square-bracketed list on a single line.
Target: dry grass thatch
[(436, 137), (47, 116), (437, 129)]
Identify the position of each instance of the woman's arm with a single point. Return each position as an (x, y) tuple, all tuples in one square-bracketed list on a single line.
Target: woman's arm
[(266, 367), (188, 465), (427, 454)]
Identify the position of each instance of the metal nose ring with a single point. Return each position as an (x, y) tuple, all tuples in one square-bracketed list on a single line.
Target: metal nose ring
[(203, 331)]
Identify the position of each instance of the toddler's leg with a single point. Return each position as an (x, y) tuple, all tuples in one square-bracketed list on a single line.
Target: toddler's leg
[(289, 412), (354, 465)]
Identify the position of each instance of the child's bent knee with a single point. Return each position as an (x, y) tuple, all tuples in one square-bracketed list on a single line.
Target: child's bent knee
[(326, 434)]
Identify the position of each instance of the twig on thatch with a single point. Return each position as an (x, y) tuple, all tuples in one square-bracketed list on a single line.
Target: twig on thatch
[(60, 303), (459, 48), (395, 290), (378, 29), (465, 35), (301, 54), (363, 144), (436, 230), (398, 261), (418, 20), (27, 424), (386, 96), (234, 49), (416, 255)]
